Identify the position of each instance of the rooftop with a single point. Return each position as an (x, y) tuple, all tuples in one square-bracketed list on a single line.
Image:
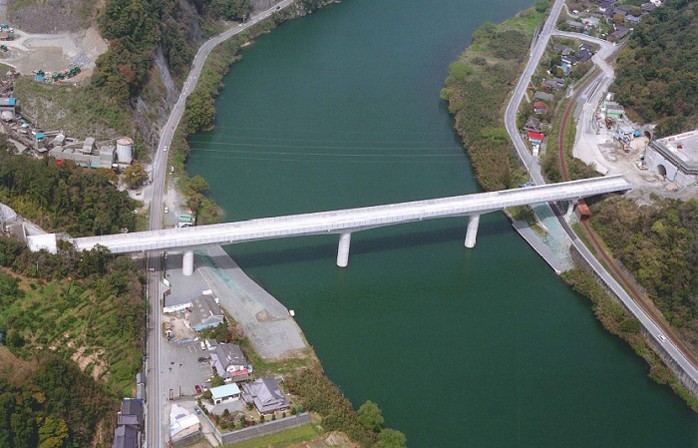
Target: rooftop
[(681, 149), (225, 391)]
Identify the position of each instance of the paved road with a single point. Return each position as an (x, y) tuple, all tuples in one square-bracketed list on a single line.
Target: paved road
[(156, 432), (533, 168)]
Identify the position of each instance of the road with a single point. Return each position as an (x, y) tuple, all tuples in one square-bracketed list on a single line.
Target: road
[(532, 166), (156, 430)]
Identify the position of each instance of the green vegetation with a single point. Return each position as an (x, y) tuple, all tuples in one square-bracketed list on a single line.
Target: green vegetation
[(64, 197), (318, 394), (656, 75), (54, 405), (658, 244), (618, 322), (476, 89), (283, 439), (135, 175), (80, 111), (87, 307)]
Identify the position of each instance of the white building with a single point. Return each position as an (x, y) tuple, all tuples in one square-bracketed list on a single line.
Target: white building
[(224, 393)]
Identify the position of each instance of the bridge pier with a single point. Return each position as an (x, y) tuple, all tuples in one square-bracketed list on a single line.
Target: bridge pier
[(188, 263), (570, 210), (343, 250), (471, 234)]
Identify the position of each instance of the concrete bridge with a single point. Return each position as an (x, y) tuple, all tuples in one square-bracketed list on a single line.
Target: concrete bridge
[(342, 222)]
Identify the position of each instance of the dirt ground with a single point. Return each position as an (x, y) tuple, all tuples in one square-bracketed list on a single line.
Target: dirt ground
[(54, 52)]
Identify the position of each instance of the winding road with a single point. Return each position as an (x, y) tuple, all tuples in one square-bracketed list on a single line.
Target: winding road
[(157, 424), (652, 328)]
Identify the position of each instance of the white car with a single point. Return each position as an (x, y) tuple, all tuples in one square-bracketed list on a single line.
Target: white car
[(164, 148), (661, 337), (167, 210)]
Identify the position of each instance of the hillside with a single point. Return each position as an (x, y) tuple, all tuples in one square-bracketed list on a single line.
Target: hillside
[(657, 75)]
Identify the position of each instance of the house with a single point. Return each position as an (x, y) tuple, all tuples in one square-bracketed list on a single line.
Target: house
[(632, 20), (543, 96), (559, 81), (176, 302), (540, 108), (582, 56), (131, 413), (183, 425), (266, 395), (125, 437), (619, 33), (205, 313), (551, 85), (590, 21), (535, 137), (532, 124), (562, 49), (229, 362), (224, 393), (586, 47), (575, 25), (648, 7)]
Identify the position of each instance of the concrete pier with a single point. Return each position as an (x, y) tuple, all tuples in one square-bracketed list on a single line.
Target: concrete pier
[(570, 210), (188, 263), (471, 234), (343, 250)]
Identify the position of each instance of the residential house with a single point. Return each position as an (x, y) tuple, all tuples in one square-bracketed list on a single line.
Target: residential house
[(540, 108), (535, 137), (632, 20), (205, 313), (266, 395), (582, 56), (544, 96), (532, 124), (125, 437), (590, 21), (648, 7), (619, 33), (131, 413), (577, 26), (224, 393), (559, 81), (586, 47), (562, 49), (229, 362), (183, 425), (551, 85)]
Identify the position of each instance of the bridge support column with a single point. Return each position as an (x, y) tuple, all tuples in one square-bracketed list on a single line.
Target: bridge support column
[(343, 250), (188, 263), (570, 210), (471, 234)]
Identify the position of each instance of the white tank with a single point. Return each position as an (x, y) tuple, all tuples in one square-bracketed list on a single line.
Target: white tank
[(124, 150)]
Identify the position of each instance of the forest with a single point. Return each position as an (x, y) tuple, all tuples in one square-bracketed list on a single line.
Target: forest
[(476, 89), (657, 74), (64, 197), (658, 243)]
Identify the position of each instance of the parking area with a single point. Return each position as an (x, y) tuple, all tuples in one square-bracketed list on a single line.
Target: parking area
[(181, 369)]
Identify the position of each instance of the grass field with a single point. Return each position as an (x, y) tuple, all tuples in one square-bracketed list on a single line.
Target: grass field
[(283, 439)]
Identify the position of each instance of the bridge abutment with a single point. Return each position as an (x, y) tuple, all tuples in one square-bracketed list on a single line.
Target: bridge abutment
[(343, 250), (570, 210), (188, 263), (471, 234)]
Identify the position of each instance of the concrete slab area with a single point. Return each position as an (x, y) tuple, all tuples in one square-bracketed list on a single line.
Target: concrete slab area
[(266, 322)]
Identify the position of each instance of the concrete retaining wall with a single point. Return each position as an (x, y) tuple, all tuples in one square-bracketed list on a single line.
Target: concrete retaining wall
[(261, 429)]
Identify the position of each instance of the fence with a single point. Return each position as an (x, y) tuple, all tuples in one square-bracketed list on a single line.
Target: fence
[(261, 429)]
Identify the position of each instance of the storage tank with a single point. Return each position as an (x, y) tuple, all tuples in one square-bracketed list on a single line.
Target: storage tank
[(124, 150)]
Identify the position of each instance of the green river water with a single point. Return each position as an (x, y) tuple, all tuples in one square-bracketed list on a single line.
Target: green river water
[(460, 348)]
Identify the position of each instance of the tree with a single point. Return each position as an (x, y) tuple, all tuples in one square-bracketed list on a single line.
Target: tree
[(135, 176), (194, 202), (390, 438), (217, 381), (198, 184), (371, 416)]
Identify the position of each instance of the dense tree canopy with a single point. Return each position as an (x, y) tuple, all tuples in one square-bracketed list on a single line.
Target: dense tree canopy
[(657, 75), (64, 197)]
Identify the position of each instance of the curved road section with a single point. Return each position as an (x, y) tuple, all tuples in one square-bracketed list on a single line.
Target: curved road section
[(531, 163), (156, 424)]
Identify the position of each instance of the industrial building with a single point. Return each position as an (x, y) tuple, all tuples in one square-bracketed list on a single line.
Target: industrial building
[(674, 158), (87, 154)]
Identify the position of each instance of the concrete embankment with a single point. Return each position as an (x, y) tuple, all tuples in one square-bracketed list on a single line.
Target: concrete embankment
[(266, 322)]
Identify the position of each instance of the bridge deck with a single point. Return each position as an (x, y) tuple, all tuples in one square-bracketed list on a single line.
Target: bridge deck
[(350, 220)]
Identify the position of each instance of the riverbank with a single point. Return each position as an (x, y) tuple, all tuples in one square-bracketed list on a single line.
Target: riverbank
[(478, 127)]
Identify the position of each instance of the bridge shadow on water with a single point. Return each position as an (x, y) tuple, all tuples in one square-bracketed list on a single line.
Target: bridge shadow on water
[(299, 249)]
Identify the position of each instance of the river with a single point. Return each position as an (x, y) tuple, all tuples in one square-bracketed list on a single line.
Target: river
[(484, 347)]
